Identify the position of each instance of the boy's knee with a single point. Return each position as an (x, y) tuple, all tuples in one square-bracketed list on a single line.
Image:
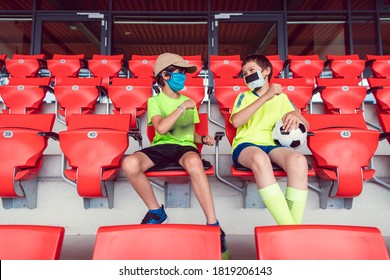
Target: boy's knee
[(131, 164), (260, 162), (192, 162), (298, 161)]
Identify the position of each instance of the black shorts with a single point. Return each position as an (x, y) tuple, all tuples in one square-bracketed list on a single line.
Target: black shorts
[(163, 154)]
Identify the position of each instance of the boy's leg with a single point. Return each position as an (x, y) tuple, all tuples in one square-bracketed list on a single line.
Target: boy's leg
[(259, 162), (295, 165), (192, 163), (134, 167)]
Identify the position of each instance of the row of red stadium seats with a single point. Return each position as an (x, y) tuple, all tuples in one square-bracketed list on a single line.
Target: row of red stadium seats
[(307, 66), (198, 242), (129, 95), (93, 146)]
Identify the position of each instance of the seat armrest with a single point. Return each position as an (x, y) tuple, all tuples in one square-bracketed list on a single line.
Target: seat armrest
[(219, 135)]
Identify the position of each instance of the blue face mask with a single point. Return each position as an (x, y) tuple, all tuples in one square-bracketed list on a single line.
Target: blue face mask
[(176, 82)]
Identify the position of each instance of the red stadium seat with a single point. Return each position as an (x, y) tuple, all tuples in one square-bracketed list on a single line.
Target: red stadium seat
[(65, 65), (345, 66), (24, 95), (226, 90), (158, 242), (2, 60), (306, 66), (225, 65), (93, 146), (194, 88), (319, 242), (342, 147), (379, 64), (130, 96), (24, 139), (24, 65), (341, 96), (194, 60), (106, 67), (76, 96), (298, 91), (277, 64), (31, 242), (381, 91), (142, 65)]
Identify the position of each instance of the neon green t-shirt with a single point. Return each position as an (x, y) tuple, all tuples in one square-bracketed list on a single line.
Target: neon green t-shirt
[(258, 129), (182, 133)]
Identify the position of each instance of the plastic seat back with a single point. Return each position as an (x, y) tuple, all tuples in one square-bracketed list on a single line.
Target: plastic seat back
[(342, 96), (346, 66), (194, 89), (24, 95), (277, 64), (94, 146), (130, 96), (62, 65), (380, 65), (24, 65), (158, 242), (142, 65), (194, 60), (381, 93), (319, 242), (226, 90), (30, 242), (297, 90), (225, 65), (106, 67), (306, 66), (21, 149), (76, 96), (342, 154)]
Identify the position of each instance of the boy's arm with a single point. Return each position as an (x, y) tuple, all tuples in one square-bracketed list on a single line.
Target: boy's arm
[(163, 125)]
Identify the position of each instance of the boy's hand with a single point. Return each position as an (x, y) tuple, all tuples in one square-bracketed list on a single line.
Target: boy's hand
[(291, 120), (208, 140), (274, 89), (188, 104)]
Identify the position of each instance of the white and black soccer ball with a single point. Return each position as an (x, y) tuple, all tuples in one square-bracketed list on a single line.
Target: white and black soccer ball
[(293, 139)]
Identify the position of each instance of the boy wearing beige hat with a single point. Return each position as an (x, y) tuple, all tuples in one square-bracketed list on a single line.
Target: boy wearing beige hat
[(173, 117)]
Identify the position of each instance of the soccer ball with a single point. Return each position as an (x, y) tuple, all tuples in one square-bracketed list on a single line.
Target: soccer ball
[(293, 139)]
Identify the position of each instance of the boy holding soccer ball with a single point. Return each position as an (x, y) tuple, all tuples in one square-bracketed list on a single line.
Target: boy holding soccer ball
[(254, 114)]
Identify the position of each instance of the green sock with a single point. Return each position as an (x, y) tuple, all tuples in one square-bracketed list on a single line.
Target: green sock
[(296, 200), (276, 203)]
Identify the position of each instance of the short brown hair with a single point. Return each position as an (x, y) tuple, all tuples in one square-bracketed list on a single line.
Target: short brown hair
[(260, 60)]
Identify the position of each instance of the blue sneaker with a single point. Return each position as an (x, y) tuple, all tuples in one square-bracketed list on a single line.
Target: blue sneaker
[(153, 218)]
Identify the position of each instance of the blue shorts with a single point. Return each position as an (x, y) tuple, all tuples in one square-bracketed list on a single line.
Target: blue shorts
[(237, 151)]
